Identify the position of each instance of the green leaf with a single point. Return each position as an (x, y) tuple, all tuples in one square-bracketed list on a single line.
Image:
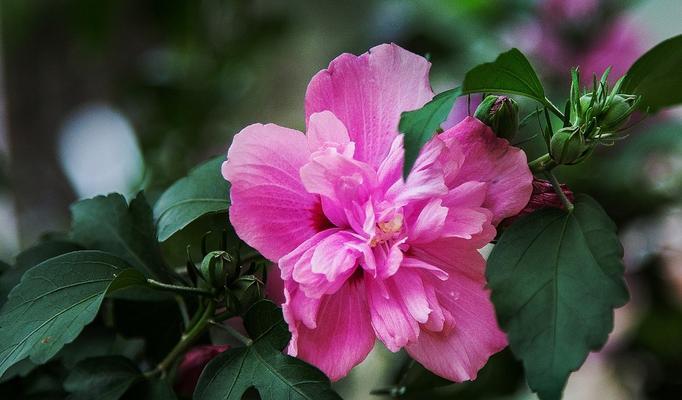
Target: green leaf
[(419, 126), (28, 259), (101, 378), (203, 191), (55, 300), (96, 341), (262, 365), (555, 279), (159, 390), (509, 73), (107, 223), (656, 75)]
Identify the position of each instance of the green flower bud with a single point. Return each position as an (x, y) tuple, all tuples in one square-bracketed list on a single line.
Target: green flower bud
[(215, 267), (567, 145), (243, 293), (618, 112), (501, 114), (611, 113)]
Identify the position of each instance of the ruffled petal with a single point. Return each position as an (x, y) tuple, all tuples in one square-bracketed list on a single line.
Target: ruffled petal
[(322, 264), (396, 306), (491, 160), (459, 349), (368, 93), (325, 130), (271, 210), (342, 336)]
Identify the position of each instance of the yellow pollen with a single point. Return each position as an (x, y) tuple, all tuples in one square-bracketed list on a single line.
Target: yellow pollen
[(392, 226)]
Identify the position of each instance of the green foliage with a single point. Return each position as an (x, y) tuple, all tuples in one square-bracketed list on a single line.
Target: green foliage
[(420, 125), (499, 378), (203, 191), (509, 73), (55, 300), (262, 365), (101, 378), (555, 279), (30, 258), (656, 76), (109, 224)]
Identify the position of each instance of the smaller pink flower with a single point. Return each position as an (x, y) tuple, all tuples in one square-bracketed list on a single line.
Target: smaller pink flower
[(192, 365)]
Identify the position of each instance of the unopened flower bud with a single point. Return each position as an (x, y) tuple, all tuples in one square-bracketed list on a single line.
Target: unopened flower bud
[(567, 145), (618, 112), (191, 366), (215, 267), (501, 114), (543, 196), (243, 293)]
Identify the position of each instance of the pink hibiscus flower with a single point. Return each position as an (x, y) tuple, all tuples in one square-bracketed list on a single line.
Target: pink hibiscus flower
[(363, 253)]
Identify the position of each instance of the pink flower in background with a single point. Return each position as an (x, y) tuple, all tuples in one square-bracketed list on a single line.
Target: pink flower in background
[(193, 363), (580, 33), (363, 253)]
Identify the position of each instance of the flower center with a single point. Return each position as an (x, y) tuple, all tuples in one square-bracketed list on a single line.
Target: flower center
[(388, 230)]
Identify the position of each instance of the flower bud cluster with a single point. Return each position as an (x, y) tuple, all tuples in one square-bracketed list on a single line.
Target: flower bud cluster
[(221, 271), (595, 117)]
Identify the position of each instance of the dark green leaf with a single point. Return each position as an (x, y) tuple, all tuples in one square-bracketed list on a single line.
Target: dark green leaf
[(55, 300), (262, 365), (30, 258), (203, 191), (499, 378), (509, 73), (159, 390), (419, 126), (96, 341), (656, 75), (107, 223), (555, 279), (101, 378)]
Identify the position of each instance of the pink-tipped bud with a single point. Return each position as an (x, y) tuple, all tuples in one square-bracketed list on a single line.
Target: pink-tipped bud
[(192, 365), (543, 196)]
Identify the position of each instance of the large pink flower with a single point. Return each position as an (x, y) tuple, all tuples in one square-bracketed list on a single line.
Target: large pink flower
[(363, 253)]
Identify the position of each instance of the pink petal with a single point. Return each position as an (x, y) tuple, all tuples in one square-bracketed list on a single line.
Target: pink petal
[(465, 223), (393, 321), (333, 257), (411, 262), (468, 194), (368, 93), (271, 210), (322, 264), (425, 181), (492, 160), (287, 264), (339, 178), (473, 335), (430, 222), (324, 129), (343, 335)]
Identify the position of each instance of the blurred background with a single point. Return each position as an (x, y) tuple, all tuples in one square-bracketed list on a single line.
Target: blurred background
[(123, 95)]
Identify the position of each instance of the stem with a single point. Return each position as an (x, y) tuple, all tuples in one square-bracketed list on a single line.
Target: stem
[(543, 163), (554, 109), (178, 288), (186, 340), (183, 311), (224, 315), (557, 188), (233, 332)]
